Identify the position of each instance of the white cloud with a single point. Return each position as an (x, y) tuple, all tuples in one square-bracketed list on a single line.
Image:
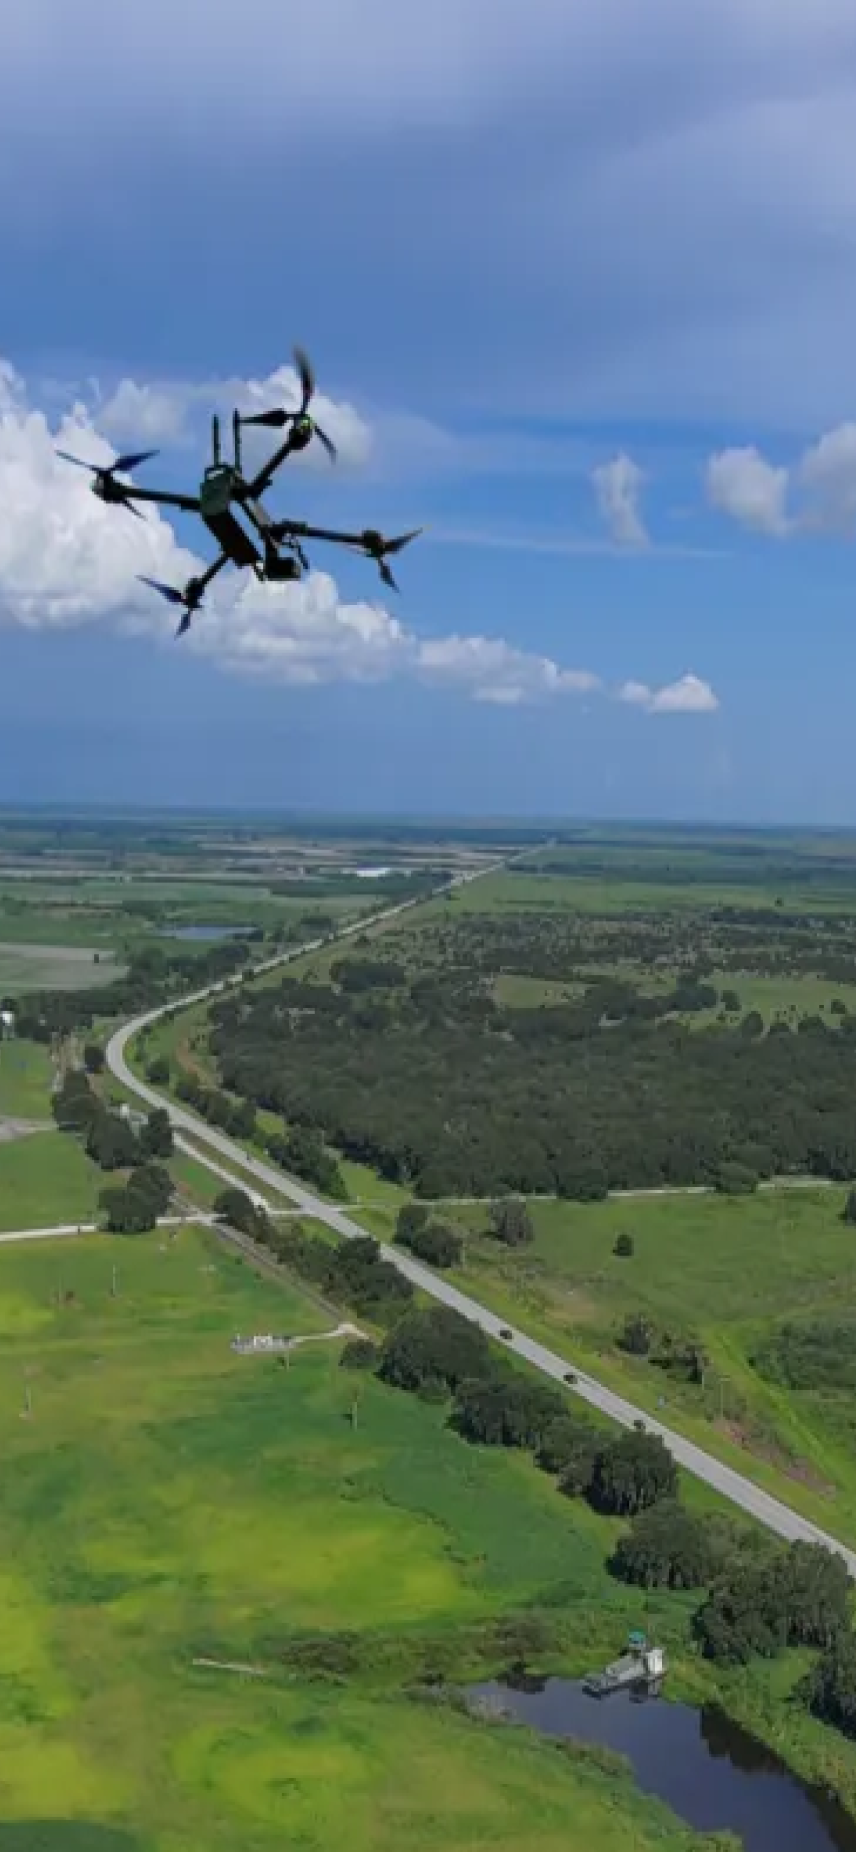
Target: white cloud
[(689, 695), (826, 474), (66, 560), (171, 412), (814, 494), (618, 487), (742, 484)]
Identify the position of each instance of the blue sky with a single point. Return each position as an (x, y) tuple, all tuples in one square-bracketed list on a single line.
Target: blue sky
[(580, 285)]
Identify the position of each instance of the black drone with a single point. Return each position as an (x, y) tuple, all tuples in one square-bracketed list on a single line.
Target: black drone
[(274, 551)]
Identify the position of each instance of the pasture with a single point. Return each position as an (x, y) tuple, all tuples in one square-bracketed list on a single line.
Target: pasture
[(46, 1178), (165, 1500), (26, 1073), (725, 1272), (33, 966)]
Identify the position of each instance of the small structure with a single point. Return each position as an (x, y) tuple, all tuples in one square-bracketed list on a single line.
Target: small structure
[(7, 1025), (641, 1666), (266, 1345)]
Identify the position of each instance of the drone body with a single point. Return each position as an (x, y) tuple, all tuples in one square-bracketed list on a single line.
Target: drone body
[(269, 548)]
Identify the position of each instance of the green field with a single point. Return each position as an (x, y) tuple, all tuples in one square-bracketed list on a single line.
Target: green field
[(26, 1074), (29, 966), (46, 1178), (166, 1500), (724, 1271)]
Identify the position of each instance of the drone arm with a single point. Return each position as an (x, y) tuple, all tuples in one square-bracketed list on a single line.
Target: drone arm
[(299, 530), (266, 475), (211, 571), (167, 499)]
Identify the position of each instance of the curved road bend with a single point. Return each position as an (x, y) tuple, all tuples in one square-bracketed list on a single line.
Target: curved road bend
[(752, 1499)]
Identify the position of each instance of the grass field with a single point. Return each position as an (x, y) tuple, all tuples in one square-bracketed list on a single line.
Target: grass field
[(28, 966), (166, 1499), (26, 1074), (724, 1271), (47, 1178)]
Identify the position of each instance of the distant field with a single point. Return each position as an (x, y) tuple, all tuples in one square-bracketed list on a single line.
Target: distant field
[(30, 966), (218, 1505), (601, 894)]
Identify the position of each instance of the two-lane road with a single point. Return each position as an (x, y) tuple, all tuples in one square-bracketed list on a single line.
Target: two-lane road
[(212, 1147)]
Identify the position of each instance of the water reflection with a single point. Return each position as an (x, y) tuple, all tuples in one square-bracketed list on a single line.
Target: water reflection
[(710, 1772)]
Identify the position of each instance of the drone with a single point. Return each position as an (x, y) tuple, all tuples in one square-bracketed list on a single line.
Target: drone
[(273, 550)]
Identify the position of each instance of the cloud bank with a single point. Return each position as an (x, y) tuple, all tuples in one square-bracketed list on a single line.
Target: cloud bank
[(67, 561)]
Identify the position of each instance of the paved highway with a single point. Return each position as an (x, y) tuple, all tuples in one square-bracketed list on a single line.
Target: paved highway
[(732, 1485)]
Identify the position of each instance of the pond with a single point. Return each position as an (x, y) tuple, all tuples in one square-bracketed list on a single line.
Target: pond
[(711, 1773)]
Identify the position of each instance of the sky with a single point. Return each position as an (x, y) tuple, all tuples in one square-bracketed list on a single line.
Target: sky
[(579, 285)]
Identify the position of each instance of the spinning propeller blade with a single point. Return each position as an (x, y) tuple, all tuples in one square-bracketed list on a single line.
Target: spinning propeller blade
[(278, 418), (307, 378), (377, 548), (169, 592)]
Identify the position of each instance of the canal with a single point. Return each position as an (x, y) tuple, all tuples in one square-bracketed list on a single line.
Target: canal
[(711, 1773)]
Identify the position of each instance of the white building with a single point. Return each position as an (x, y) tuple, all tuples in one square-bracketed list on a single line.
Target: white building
[(7, 1024)]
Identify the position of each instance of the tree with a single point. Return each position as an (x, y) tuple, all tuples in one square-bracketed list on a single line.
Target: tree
[(831, 1687), (237, 1208), (738, 1622), (510, 1222), (156, 1139), (359, 1354), (437, 1245), (579, 1463), (505, 1410), (153, 1184), (93, 1058), (560, 1441), (110, 1141), (736, 1180), (637, 1336), (665, 1547), (74, 1105), (127, 1213), (632, 1472), (624, 1246), (158, 1071), (849, 1211), (435, 1345), (411, 1219)]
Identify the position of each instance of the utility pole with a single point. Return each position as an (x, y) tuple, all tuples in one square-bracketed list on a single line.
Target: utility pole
[(114, 1289)]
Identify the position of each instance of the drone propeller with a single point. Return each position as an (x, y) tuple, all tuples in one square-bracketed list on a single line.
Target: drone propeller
[(302, 426), (105, 474), (377, 548), (189, 599)]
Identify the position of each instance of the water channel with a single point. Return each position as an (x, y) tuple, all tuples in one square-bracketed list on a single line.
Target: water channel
[(713, 1775)]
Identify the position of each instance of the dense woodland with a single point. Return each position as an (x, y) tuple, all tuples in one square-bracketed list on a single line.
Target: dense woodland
[(409, 1062)]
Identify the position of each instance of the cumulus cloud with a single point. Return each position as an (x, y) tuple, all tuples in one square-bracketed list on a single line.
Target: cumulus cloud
[(689, 695), (170, 412), (618, 488), (742, 484), (816, 493), (66, 560)]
